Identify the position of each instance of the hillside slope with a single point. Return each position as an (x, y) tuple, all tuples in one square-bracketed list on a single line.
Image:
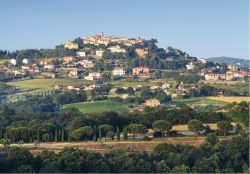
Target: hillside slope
[(242, 63)]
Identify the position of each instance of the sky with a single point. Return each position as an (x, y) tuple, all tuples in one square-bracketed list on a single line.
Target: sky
[(202, 28)]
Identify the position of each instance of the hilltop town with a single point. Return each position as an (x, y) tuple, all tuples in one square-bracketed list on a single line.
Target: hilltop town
[(104, 59), (108, 89)]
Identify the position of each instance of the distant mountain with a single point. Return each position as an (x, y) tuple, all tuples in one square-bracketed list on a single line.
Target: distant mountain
[(242, 63)]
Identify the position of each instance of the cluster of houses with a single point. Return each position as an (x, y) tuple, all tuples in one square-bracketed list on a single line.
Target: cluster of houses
[(105, 40), (73, 65), (85, 59), (233, 73)]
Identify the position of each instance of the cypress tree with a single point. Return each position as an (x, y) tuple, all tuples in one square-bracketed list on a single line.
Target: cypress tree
[(95, 136), (37, 135), (69, 137), (118, 133), (100, 135), (55, 135), (125, 133), (62, 136)]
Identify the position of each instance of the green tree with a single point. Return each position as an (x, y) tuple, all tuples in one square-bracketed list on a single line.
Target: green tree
[(86, 131), (76, 134), (239, 113), (137, 129), (118, 133), (212, 138), (161, 125), (5, 142), (105, 128), (224, 126), (45, 137), (56, 136), (62, 137), (37, 135), (180, 169), (162, 97), (125, 133), (100, 134), (19, 156), (195, 126)]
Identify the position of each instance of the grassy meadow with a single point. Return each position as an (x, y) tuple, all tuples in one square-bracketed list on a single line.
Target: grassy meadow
[(99, 106)]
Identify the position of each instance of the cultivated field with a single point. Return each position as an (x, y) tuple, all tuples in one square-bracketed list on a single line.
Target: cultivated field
[(184, 127), (120, 84), (46, 84), (230, 99), (103, 147), (99, 106), (200, 101)]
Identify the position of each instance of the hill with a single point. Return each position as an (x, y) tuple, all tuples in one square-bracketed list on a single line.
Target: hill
[(242, 63)]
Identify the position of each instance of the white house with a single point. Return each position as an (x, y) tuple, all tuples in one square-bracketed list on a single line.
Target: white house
[(49, 66), (190, 66), (81, 53), (13, 62), (99, 53), (25, 61), (117, 49), (73, 73), (118, 72)]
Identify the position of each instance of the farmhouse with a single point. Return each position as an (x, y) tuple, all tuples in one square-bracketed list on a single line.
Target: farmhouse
[(202, 60), (68, 59), (93, 76), (218, 77), (118, 72), (81, 53), (73, 73), (215, 76), (99, 53), (141, 71), (117, 49), (49, 66), (86, 63), (152, 102)]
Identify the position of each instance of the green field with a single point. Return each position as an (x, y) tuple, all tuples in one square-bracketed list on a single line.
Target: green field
[(46, 84), (99, 106), (200, 101), (120, 84)]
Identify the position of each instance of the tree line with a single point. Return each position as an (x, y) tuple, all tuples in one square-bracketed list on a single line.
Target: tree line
[(72, 125), (211, 156)]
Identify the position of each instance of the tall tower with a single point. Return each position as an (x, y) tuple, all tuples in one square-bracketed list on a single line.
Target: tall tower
[(102, 35)]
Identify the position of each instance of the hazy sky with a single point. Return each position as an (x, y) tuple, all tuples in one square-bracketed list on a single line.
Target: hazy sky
[(202, 28)]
